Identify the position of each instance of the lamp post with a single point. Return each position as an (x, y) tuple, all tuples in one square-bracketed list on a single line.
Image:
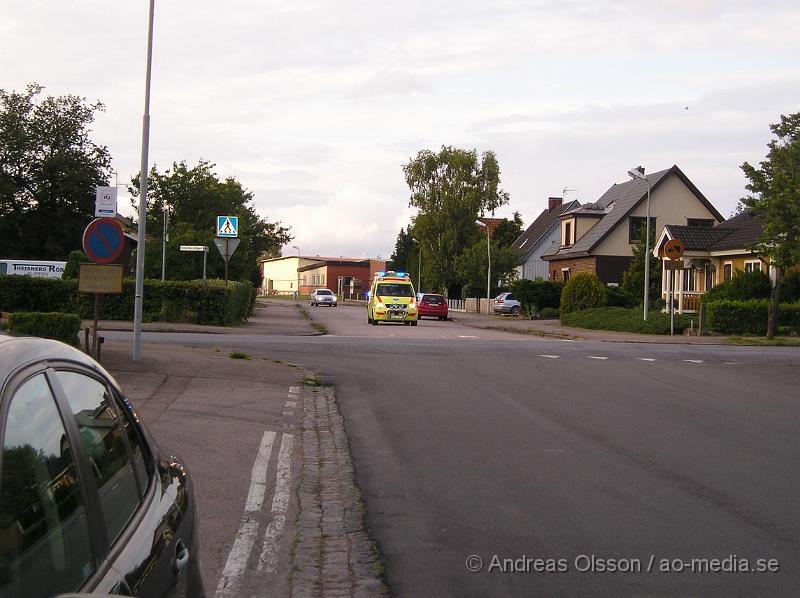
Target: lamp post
[(489, 269), (635, 173), (298, 269), (164, 240), (419, 264), (137, 300)]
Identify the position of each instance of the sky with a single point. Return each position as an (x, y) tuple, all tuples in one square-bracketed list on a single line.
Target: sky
[(315, 106)]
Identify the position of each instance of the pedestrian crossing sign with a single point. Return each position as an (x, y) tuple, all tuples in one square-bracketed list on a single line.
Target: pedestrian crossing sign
[(227, 226)]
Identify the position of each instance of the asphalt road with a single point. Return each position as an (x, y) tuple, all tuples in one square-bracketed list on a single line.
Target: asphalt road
[(475, 443)]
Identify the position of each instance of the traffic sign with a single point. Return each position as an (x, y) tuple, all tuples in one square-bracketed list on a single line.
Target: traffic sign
[(674, 249), (194, 248), (105, 202), (227, 247), (227, 226), (103, 240), (674, 264), (97, 278)]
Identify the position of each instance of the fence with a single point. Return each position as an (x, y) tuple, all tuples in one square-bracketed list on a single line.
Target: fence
[(456, 305)]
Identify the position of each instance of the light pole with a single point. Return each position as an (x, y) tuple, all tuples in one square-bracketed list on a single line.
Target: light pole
[(634, 173), (419, 264), (137, 301), (298, 270), (489, 269), (164, 243)]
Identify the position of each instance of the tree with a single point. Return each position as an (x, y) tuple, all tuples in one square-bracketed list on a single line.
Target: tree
[(403, 249), (450, 189), (633, 277), (775, 197), (49, 168), (508, 231), (582, 291), (195, 197), (471, 267)]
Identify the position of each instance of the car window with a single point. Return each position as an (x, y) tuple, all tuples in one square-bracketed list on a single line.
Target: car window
[(434, 298), (395, 290), (104, 440), (324, 292), (511, 297), (44, 532)]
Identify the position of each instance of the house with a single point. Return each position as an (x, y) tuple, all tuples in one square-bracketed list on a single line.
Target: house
[(542, 237), (711, 256), (599, 237), (345, 276)]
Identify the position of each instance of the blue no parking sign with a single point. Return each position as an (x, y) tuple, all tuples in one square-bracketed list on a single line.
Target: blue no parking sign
[(103, 240)]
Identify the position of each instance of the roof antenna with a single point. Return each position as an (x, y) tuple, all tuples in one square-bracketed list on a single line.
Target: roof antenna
[(564, 192)]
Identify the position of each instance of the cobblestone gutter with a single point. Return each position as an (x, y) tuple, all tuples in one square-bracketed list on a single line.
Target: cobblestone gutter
[(332, 554)]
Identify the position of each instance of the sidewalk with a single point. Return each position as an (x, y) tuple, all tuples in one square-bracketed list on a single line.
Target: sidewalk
[(553, 328)]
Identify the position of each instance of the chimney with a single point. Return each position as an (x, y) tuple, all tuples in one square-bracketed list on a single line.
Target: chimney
[(553, 202), (640, 169)]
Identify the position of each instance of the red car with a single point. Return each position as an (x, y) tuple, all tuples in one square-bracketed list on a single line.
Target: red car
[(432, 305)]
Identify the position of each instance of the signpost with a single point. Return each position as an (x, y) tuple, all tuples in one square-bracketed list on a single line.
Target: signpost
[(105, 203), (673, 249), (228, 226), (202, 248), (226, 247), (97, 279), (103, 240)]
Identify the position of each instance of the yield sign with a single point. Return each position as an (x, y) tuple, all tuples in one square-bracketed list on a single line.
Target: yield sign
[(226, 247)]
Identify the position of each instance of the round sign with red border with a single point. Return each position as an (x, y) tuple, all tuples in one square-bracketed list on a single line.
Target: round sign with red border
[(103, 240), (674, 249)]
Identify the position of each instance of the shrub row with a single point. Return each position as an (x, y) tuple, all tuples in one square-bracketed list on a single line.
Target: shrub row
[(536, 295), (621, 319), (750, 317), (60, 326), (171, 301)]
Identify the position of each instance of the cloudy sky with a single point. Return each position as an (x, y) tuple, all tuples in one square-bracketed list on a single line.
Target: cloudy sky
[(315, 105)]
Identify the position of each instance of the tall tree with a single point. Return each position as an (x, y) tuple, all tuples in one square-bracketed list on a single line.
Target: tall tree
[(49, 168), (471, 268), (508, 231), (450, 189), (195, 197), (403, 248), (633, 277), (775, 196)]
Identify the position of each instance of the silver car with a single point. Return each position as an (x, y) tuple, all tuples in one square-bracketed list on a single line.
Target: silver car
[(323, 297), (506, 303)]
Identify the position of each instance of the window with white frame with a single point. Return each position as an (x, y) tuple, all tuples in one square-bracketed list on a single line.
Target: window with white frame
[(752, 266), (727, 271)]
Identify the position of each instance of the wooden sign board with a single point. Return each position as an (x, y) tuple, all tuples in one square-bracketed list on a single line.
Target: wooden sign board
[(97, 278), (674, 264)]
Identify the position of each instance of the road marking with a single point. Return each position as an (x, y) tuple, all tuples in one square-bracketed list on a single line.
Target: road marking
[(567, 340), (734, 363), (596, 357), (693, 360), (645, 359), (248, 531), (466, 336), (291, 404), (294, 390), (258, 478), (553, 450), (550, 356), (268, 560)]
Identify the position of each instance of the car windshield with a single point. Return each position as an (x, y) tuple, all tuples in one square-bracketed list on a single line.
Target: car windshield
[(324, 292), (433, 298), (396, 290)]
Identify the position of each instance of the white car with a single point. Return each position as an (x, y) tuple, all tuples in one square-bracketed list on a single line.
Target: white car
[(323, 297)]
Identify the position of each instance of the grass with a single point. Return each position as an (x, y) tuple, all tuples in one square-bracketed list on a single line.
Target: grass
[(762, 341), (239, 355), (623, 319), (303, 311), (321, 328), (312, 380)]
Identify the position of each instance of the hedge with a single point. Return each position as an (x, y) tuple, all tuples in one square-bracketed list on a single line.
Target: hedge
[(750, 317), (170, 301), (623, 319), (536, 295), (60, 326), (743, 286), (583, 290)]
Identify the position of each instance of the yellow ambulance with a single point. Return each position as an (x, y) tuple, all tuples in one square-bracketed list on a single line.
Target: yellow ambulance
[(392, 299)]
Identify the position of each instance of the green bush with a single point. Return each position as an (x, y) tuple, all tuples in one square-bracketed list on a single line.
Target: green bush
[(171, 301), (749, 317), (619, 297), (582, 291), (548, 313), (790, 288), (536, 295), (621, 319), (60, 326), (743, 286), (73, 265)]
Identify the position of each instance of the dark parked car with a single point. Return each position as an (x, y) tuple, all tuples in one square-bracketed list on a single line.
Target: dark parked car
[(432, 305), (88, 502)]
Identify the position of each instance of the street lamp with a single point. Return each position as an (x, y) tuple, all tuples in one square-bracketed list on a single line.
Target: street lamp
[(489, 269), (419, 264), (634, 173), (298, 269)]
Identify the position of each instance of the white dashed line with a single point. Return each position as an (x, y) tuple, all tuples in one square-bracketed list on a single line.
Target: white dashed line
[(550, 356), (291, 404), (645, 359), (734, 363), (465, 336), (596, 357), (268, 560), (258, 478), (693, 360), (293, 390)]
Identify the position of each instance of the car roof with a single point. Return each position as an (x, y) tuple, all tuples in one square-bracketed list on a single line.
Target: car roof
[(19, 351), (316, 290)]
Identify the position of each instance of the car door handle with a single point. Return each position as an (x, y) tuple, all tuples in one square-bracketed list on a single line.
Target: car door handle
[(181, 556)]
